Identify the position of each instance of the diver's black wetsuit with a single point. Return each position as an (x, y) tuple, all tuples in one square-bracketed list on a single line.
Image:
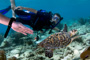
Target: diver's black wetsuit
[(38, 21)]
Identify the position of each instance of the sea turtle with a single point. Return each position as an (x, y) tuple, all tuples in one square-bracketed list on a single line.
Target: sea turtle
[(57, 40)]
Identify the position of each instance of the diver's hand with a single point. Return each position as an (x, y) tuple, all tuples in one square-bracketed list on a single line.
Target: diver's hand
[(19, 8), (19, 27)]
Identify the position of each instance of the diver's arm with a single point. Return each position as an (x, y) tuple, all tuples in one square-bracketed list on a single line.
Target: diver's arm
[(29, 9), (4, 20), (13, 8)]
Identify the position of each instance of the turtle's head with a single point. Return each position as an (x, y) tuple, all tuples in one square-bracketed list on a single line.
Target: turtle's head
[(73, 32)]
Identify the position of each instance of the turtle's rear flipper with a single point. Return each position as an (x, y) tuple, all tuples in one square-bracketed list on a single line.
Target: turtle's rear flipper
[(49, 53)]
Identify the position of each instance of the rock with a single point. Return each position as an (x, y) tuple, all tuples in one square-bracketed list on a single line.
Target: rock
[(4, 44), (16, 55), (39, 57), (76, 53), (68, 57), (79, 47), (15, 51), (28, 53)]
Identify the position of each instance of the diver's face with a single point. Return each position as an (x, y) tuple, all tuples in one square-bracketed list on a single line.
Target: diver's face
[(55, 19)]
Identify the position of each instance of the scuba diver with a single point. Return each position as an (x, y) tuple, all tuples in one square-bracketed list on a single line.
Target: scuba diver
[(38, 20)]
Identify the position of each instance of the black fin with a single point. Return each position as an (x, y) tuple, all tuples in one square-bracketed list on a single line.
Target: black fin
[(65, 28), (37, 36), (9, 26), (50, 31), (49, 53)]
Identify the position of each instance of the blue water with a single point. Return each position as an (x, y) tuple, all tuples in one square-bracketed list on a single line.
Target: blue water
[(69, 9)]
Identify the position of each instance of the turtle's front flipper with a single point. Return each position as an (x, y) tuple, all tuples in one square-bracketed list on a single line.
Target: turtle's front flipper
[(74, 38), (49, 53)]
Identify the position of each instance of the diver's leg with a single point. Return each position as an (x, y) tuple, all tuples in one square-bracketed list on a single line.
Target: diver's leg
[(4, 11), (13, 6)]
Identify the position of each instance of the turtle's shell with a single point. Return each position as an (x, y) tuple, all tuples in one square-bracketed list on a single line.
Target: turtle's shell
[(58, 40)]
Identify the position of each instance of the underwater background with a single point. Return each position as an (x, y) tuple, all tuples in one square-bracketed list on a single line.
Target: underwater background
[(76, 14)]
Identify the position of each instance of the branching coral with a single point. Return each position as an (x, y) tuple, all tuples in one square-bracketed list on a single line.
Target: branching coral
[(82, 21)]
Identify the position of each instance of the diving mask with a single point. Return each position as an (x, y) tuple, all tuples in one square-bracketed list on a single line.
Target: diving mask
[(55, 20)]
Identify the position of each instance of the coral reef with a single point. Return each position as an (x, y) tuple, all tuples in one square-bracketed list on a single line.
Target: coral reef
[(23, 48), (17, 37), (6, 42), (82, 21)]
